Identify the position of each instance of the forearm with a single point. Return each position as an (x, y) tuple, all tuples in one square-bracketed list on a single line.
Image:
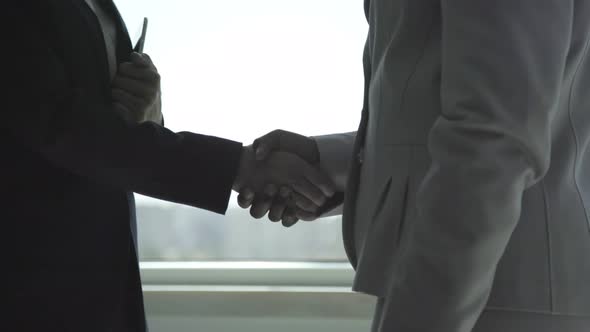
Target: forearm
[(186, 168)]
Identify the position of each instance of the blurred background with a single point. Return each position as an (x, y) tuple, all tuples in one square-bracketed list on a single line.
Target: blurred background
[(239, 69)]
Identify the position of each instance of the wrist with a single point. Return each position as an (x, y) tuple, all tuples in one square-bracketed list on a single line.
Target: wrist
[(245, 167), (315, 151)]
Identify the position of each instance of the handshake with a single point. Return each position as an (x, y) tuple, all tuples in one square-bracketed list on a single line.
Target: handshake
[(279, 174)]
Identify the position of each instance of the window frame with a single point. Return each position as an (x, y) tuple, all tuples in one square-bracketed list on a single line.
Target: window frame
[(300, 291), (247, 273)]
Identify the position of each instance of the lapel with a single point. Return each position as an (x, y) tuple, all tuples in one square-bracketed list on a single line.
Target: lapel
[(124, 48), (350, 197), (97, 41)]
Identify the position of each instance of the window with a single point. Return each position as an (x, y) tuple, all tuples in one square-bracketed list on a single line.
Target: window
[(239, 69)]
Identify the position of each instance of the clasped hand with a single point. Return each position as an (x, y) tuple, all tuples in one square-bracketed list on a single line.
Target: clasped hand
[(280, 175), (136, 90)]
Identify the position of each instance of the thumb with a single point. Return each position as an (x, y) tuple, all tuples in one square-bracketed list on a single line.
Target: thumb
[(264, 145), (262, 151), (302, 146), (139, 60)]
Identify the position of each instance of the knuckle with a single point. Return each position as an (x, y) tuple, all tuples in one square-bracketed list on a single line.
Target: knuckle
[(125, 67), (241, 198), (306, 204), (292, 221), (320, 202), (277, 133)]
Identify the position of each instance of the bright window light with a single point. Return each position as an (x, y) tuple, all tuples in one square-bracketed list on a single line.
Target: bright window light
[(239, 69)]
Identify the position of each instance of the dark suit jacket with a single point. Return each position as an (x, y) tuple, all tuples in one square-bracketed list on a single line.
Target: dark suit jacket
[(69, 163)]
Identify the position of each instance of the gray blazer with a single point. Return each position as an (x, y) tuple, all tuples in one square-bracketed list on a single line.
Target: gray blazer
[(469, 185)]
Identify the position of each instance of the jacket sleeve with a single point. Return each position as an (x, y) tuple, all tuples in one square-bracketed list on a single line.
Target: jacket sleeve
[(52, 116), (502, 68), (335, 152)]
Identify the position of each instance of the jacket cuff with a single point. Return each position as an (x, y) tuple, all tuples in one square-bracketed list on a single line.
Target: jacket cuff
[(335, 156)]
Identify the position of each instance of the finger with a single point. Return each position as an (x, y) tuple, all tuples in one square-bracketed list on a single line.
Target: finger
[(277, 209), (310, 191), (134, 71), (141, 60), (141, 89), (303, 146), (148, 57), (245, 198), (271, 190), (128, 100), (285, 192), (149, 60), (118, 107), (320, 180), (123, 112), (305, 215), (260, 206), (289, 218), (280, 204), (301, 202)]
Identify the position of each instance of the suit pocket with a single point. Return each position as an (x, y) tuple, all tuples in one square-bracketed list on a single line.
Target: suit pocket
[(379, 255), (403, 212), (381, 201), (384, 204), (388, 223)]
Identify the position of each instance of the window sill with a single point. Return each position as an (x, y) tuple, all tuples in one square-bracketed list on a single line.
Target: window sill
[(265, 274), (253, 289)]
